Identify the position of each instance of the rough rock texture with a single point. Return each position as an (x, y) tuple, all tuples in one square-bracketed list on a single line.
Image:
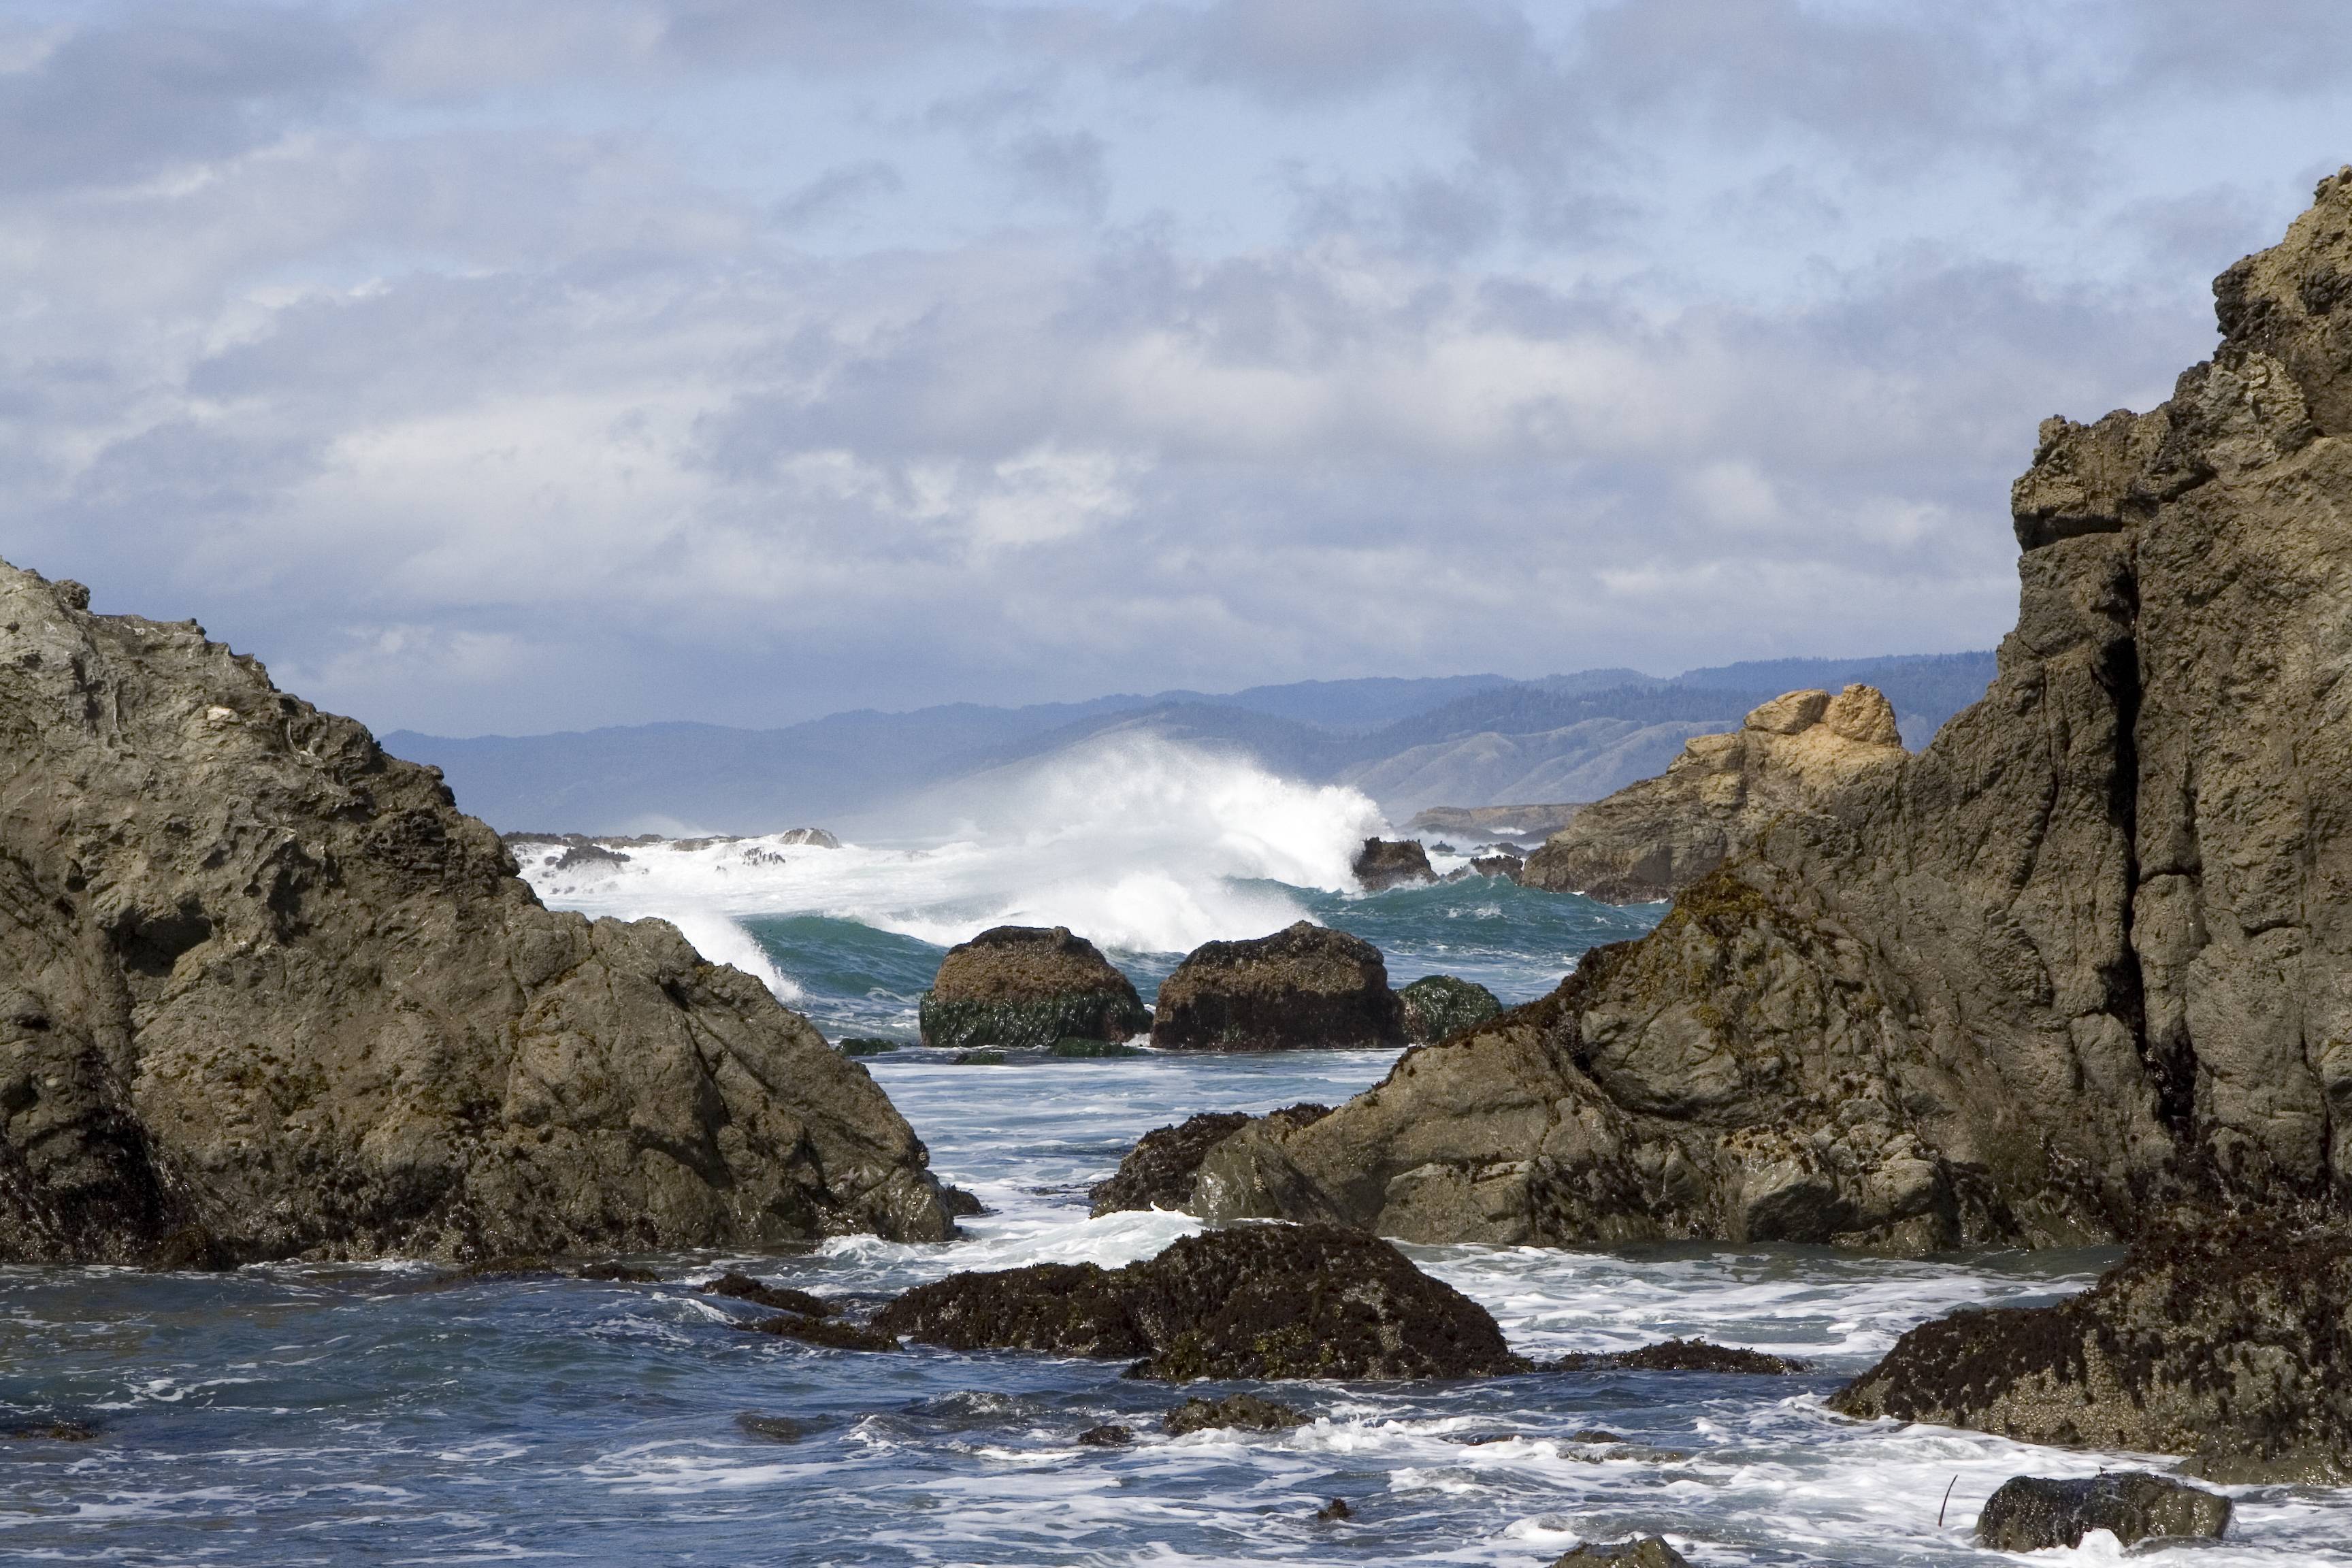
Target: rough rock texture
[(1256, 1302), (1437, 1004), (1385, 863), (2085, 960), (1647, 1552), (1304, 985), (263, 991), (2034, 1513), (1247, 1411), (1025, 985), (2231, 1343), (1651, 840), (1682, 1356), (1158, 1173)]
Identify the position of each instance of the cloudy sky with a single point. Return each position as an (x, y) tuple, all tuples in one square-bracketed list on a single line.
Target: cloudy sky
[(511, 365)]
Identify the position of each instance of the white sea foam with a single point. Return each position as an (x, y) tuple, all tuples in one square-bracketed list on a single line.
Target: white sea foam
[(1140, 844)]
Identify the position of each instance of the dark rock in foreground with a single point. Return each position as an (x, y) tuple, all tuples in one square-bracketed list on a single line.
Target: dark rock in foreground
[(744, 1287), (1305, 985), (2231, 1344), (2080, 961), (1028, 987), (1158, 1173), (265, 992), (831, 1333), (1247, 1411), (1385, 863), (1648, 1551), (1109, 1436), (2032, 1513), (1253, 1301), (1682, 1356), (1436, 1006)]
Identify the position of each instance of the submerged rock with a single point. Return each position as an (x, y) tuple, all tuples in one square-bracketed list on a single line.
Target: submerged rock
[(1109, 1436), (1307, 985), (1385, 863), (830, 1332), (2233, 1345), (263, 985), (2031, 1513), (619, 1273), (1334, 1511), (1158, 1173), (771, 1429), (744, 1287), (1437, 1004), (1244, 1410), (1026, 985), (1653, 839), (1682, 1356), (1253, 1301), (2073, 966), (1645, 1552)]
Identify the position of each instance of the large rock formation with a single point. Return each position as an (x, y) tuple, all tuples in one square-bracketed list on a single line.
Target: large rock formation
[(1305, 985), (2087, 957), (1651, 840), (263, 991), (1027, 985), (2231, 1343)]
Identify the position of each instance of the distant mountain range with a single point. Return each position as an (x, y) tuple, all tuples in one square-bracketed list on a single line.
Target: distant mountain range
[(1461, 741)]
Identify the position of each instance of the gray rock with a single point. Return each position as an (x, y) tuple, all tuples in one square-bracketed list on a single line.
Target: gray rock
[(2076, 963), (263, 991), (1027, 985), (2229, 1342), (1651, 840), (1307, 985), (2034, 1513), (1158, 1171)]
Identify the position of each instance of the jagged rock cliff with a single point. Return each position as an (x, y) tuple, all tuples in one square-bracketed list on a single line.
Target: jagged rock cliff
[(2087, 956), (1651, 840), (265, 991)]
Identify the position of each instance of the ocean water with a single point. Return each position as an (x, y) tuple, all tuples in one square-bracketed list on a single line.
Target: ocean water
[(402, 1414)]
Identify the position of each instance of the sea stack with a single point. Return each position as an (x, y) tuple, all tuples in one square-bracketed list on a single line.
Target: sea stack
[(265, 992), (1305, 985), (2081, 963)]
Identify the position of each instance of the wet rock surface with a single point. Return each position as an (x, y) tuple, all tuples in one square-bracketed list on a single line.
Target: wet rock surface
[(1304, 986), (2070, 968), (2231, 1343), (1648, 1551), (744, 1287), (1385, 863), (1682, 1356), (831, 1334), (1436, 1006), (1247, 1411), (1028, 987), (1251, 1301), (2032, 1513), (265, 990), (1109, 1436), (1158, 1173), (771, 1429), (1653, 839)]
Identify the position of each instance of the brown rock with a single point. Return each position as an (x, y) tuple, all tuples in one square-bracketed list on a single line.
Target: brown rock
[(1645, 1552), (1158, 1172), (1385, 863), (1304, 986), (2078, 962), (1682, 1355), (265, 991), (1247, 1411), (1651, 840), (1027, 985), (2034, 1513)]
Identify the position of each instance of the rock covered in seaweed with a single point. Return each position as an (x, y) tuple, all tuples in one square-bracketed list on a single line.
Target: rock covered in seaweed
[(1653, 839), (1437, 1004), (1251, 1301), (1027, 985), (2035, 1513), (1305, 985), (263, 991), (2231, 1343), (1642, 1552), (2077, 963)]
